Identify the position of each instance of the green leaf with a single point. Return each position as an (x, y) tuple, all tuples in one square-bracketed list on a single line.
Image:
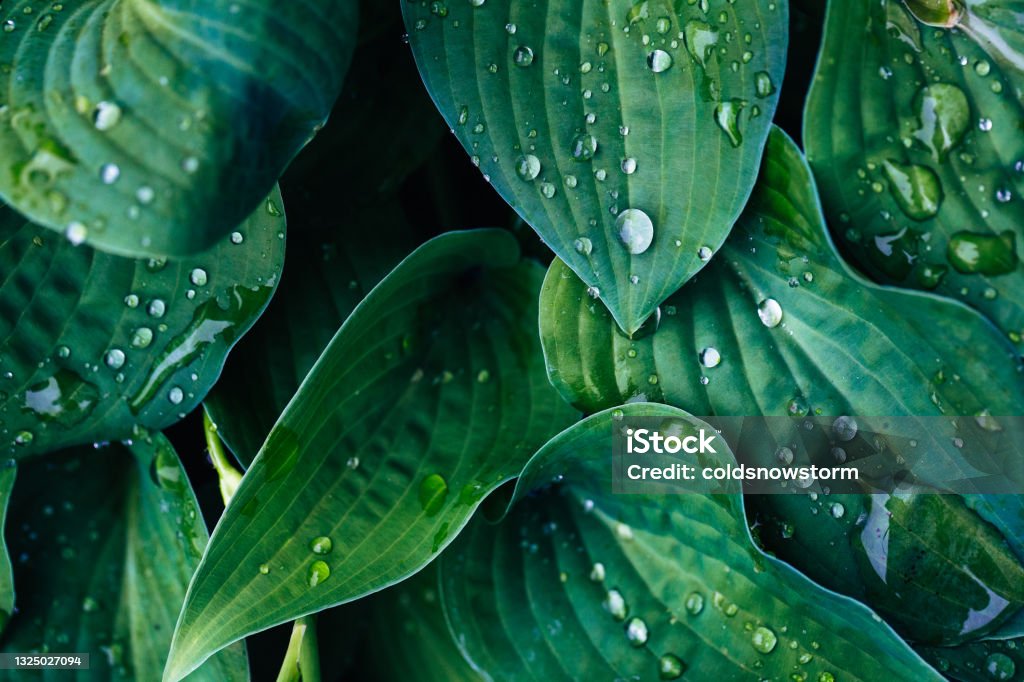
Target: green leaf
[(431, 394), (327, 273), (579, 583), (153, 128), (7, 476), (913, 134), (779, 325), (983, 661), (106, 542), (542, 94), (94, 345), (408, 638)]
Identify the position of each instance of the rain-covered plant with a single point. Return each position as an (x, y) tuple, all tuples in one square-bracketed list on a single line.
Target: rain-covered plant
[(646, 208)]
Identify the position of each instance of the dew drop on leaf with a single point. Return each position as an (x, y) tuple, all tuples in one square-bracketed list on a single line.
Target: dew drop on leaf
[(636, 231)]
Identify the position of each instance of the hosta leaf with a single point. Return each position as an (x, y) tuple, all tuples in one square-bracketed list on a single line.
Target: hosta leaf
[(105, 544), (423, 650), (431, 394), (627, 133), (153, 128), (94, 344), (579, 583), (779, 325), (983, 661), (913, 134), (327, 273), (7, 475)]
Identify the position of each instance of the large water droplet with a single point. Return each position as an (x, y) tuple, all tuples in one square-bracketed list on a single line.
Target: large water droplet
[(659, 61), (583, 147), (106, 115), (583, 246), (1000, 666), (770, 312), (528, 167), (700, 39), (727, 116), (114, 358), (845, 428), (523, 56), (319, 571), (433, 493), (615, 604), (670, 667), (763, 639), (916, 189), (710, 357), (321, 545), (986, 254), (635, 230), (943, 115), (763, 84), (694, 603), (636, 632)]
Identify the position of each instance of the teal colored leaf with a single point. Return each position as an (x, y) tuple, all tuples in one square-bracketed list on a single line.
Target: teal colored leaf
[(913, 132), (628, 134), (983, 661), (154, 128), (95, 345), (105, 543), (408, 637), (430, 395), (7, 476), (579, 583), (326, 274), (779, 325)]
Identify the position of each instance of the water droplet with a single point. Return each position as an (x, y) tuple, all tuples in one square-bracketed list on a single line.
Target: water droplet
[(763, 639), (701, 39), (24, 438), (109, 173), (659, 61), (583, 246), (770, 312), (705, 253), (352, 463), (710, 357), (175, 395), (986, 254), (142, 337), (636, 632), (943, 116), (319, 571), (114, 358), (156, 308), (984, 124), (597, 573), (615, 604), (321, 545), (839, 455), (9, 26), (523, 56), (106, 115), (629, 166), (583, 147), (694, 603), (548, 189), (727, 116), (837, 510), (433, 493), (635, 230), (198, 277), (670, 667), (845, 428), (264, 569), (784, 455), (237, 238), (763, 84), (76, 233), (528, 167), (1000, 666)]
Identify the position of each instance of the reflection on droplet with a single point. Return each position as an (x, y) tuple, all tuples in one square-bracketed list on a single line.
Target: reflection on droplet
[(770, 312), (635, 229)]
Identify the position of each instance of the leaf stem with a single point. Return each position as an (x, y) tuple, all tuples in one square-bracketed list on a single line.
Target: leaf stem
[(229, 476), (302, 660)]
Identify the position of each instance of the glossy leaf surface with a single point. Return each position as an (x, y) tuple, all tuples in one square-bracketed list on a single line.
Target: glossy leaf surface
[(579, 583), (105, 542), (628, 134), (913, 133), (431, 394), (93, 345), (152, 128), (778, 325)]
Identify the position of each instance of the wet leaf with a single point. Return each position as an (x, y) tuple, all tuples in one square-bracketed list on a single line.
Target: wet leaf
[(627, 134)]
